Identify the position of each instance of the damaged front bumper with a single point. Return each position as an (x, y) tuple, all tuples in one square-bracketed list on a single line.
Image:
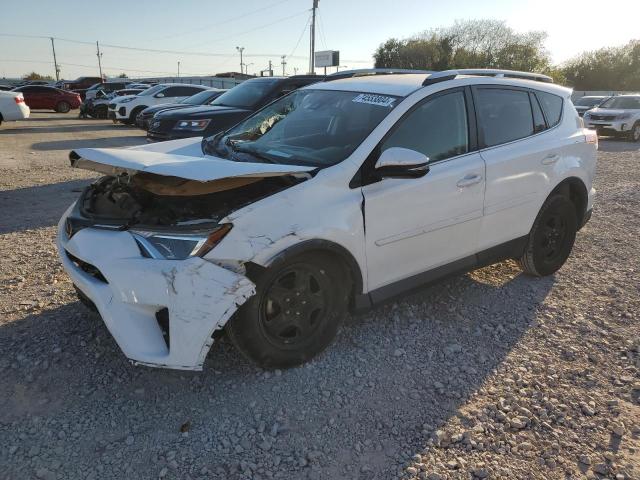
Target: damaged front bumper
[(129, 290)]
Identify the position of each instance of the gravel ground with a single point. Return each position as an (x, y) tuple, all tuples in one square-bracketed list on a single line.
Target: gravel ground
[(487, 375)]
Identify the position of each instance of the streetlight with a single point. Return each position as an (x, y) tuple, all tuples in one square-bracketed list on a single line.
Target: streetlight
[(178, 68), (240, 49)]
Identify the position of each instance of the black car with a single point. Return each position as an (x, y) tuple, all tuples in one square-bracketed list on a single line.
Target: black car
[(226, 110), (201, 98)]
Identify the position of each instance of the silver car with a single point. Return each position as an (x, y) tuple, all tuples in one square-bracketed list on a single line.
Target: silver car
[(619, 116)]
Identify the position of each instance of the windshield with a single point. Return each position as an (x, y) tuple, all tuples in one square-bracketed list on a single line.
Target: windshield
[(247, 94), (631, 103), (588, 101), (308, 127), (152, 90), (197, 99)]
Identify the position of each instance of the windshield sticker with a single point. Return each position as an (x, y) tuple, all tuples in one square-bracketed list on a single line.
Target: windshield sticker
[(380, 100)]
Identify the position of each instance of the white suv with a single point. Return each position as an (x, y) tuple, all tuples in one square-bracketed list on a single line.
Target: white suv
[(619, 115), (125, 109), (337, 196)]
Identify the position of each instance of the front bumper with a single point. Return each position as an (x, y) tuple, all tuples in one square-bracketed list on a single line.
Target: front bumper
[(611, 126), (129, 290)]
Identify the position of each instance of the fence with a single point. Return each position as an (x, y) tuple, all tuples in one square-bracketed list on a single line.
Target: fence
[(214, 82)]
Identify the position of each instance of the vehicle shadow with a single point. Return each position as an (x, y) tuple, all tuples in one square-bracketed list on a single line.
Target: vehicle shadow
[(372, 405), (36, 207), (611, 144), (69, 128), (106, 142)]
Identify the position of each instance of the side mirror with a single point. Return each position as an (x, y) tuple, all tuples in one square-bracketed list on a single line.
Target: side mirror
[(160, 95), (398, 162)]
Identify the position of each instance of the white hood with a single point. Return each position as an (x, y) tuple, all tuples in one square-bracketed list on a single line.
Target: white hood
[(178, 158)]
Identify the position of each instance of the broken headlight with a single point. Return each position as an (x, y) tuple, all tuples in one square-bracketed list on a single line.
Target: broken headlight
[(195, 125), (178, 246)]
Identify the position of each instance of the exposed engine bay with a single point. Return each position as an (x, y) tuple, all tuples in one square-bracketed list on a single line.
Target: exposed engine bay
[(148, 199)]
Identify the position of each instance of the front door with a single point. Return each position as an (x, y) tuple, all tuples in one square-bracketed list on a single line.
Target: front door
[(414, 225)]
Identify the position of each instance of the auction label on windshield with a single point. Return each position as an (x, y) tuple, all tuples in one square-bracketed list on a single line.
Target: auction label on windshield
[(380, 100)]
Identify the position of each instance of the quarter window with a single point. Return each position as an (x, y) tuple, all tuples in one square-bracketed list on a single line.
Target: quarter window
[(503, 115), (437, 128), (538, 118), (552, 106)]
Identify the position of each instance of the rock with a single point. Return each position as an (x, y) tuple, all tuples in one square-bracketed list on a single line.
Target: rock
[(480, 472), (618, 429), (601, 468), (584, 459)]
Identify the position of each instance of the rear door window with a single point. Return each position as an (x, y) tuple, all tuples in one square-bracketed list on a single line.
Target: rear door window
[(504, 115), (552, 106)]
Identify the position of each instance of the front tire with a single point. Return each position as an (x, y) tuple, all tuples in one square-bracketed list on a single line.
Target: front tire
[(634, 136), (295, 313), (551, 238), (134, 113), (63, 107)]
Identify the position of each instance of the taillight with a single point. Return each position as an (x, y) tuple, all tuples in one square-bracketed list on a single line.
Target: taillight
[(19, 99), (591, 136)]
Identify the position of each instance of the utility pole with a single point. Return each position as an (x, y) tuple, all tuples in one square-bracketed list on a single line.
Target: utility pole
[(178, 68), (270, 69), (295, 70), (283, 64), (55, 62), (313, 37), (241, 49), (99, 55)]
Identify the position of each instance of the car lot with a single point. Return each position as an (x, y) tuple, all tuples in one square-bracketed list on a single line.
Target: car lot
[(491, 372)]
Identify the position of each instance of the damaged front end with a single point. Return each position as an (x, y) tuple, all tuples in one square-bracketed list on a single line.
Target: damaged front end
[(135, 243)]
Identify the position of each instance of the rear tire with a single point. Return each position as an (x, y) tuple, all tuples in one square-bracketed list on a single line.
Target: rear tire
[(295, 313), (63, 107), (551, 238)]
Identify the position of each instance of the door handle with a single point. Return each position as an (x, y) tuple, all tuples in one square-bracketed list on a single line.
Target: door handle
[(469, 180), (550, 159)]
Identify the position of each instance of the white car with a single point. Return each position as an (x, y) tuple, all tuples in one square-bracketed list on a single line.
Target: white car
[(12, 107), (337, 196), (126, 108), (619, 115)]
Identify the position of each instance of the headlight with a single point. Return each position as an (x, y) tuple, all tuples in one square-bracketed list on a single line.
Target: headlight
[(178, 246), (127, 100), (192, 124), (623, 116), (586, 115)]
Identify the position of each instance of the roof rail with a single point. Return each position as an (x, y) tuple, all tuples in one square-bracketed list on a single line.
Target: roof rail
[(361, 72), (488, 72)]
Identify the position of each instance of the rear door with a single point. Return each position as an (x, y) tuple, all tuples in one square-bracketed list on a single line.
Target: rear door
[(519, 160), (418, 224)]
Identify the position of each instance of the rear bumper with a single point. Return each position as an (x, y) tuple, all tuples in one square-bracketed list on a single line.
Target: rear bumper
[(131, 291)]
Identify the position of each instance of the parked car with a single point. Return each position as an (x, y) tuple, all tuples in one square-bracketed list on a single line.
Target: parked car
[(33, 82), (49, 98), (340, 195), (12, 107), (98, 107), (82, 83), (129, 107), (204, 97), (618, 116), (106, 87), (226, 110), (6, 88), (587, 102)]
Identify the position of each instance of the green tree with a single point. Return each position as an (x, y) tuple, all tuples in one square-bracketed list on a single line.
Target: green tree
[(123, 75), (611, 68), (467, 44), (36, 76)]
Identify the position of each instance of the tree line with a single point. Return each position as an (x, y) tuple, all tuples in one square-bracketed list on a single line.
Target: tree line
[(493, 44)]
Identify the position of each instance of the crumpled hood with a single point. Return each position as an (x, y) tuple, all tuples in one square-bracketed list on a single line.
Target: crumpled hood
[(178, 158)]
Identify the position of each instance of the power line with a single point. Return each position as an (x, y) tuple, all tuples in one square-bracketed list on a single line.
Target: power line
[(300, 37), (220, 39), (223, 22), (321, 28)]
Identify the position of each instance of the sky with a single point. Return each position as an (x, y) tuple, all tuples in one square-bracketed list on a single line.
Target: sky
[(207, 32)]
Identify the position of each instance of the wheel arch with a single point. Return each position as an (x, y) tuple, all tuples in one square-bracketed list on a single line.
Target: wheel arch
[(319, 246), (575, 189)]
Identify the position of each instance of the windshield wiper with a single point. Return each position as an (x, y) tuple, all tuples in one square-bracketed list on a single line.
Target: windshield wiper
[(239, 149)]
